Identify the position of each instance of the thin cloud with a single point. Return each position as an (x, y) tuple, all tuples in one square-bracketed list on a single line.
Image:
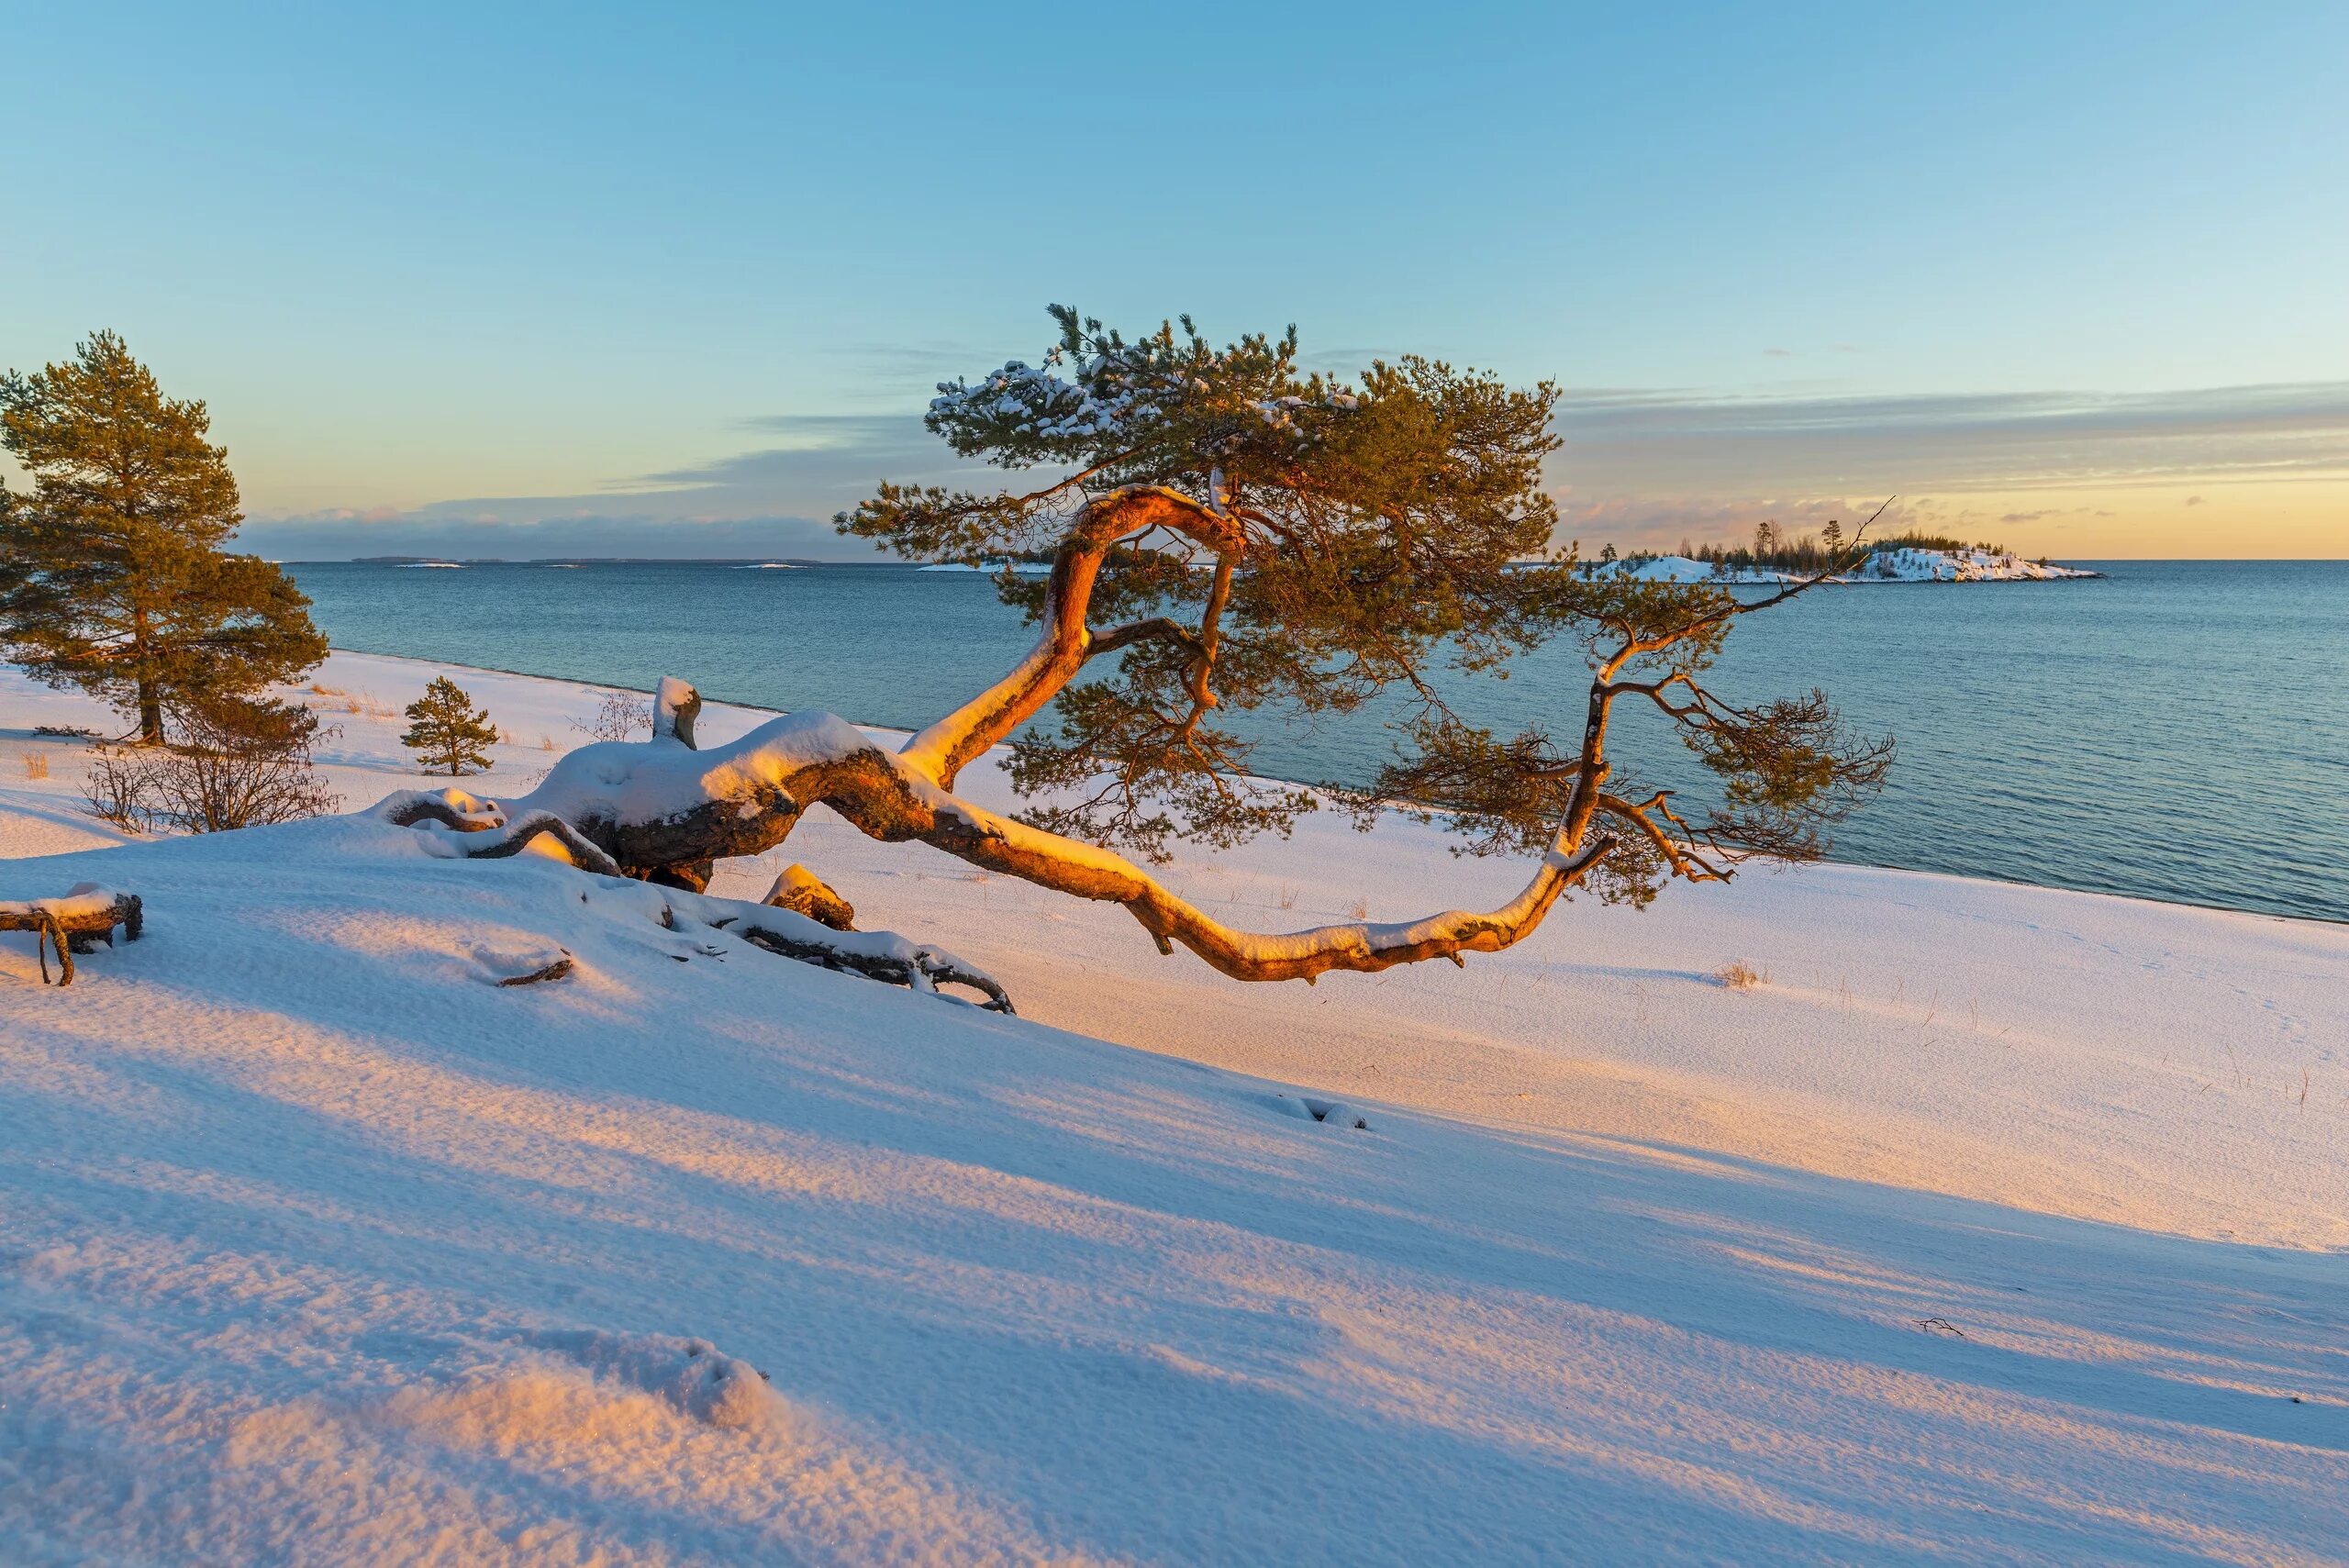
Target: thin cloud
[(775, 500), (1622, 441), (1793, 458)]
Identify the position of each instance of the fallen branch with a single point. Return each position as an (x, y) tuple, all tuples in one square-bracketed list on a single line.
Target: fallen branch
[(73, 923)]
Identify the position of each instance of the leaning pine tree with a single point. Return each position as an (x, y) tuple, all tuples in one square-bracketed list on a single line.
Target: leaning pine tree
[(114, 577), (447, 731), (1228, 534)]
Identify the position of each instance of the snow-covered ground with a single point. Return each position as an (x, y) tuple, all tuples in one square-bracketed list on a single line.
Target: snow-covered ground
[(1905, 564), (1995, 1224)]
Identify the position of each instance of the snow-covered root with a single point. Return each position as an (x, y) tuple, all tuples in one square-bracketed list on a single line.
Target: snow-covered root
[(802, 892), (876, 955), (72, 922), (451, 808), (802, 918), (488, 835)]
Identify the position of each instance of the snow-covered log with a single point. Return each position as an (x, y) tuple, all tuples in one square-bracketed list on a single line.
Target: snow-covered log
[(74, 922)]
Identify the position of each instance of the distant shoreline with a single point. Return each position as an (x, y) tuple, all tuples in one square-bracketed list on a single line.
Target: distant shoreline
[(584, 561), (1730, 580)]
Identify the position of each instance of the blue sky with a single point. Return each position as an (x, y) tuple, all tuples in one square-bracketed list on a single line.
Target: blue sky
[(530, 280)]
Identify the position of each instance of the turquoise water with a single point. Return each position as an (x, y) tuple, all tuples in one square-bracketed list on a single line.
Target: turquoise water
[(2173, 730)]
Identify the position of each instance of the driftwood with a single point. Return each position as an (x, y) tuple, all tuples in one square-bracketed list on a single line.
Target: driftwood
[(74, 923)]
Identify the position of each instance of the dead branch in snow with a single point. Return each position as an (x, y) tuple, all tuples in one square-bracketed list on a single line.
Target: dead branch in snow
[(74, 923)]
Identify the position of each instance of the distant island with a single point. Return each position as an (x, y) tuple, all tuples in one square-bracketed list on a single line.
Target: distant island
[(1905, 564), (1775, 557)]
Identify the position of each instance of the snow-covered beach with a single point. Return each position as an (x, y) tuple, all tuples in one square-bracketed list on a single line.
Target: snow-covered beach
[(1994, 1224)]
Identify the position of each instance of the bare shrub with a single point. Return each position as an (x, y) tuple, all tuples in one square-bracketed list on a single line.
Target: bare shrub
[(117, 790), (620, 716), (1741, 976), (36, 764), (243, 765)]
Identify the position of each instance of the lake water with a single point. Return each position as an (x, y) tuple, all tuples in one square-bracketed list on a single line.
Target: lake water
[(2173, 730)]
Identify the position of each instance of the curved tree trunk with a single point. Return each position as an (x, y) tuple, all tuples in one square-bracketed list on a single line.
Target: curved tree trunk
[(673, 811), (745, 798), (943, 749)]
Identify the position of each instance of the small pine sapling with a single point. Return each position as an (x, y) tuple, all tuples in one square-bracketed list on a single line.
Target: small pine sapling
[(450, 734)]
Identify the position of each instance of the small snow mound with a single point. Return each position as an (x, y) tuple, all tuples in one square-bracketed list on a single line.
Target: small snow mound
[(691, 1376), (518, 964), (1328, 1113)]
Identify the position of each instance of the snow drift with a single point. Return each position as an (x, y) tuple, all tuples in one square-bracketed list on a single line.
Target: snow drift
[(317, 1247)]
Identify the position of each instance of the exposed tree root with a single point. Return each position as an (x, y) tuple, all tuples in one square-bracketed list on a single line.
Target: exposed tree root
[(801, 919), (555, 970), (876, 955), (488, 835), (802, 892)]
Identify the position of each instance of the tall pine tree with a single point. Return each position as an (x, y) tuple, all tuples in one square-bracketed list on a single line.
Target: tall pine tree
[(114, 577)]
